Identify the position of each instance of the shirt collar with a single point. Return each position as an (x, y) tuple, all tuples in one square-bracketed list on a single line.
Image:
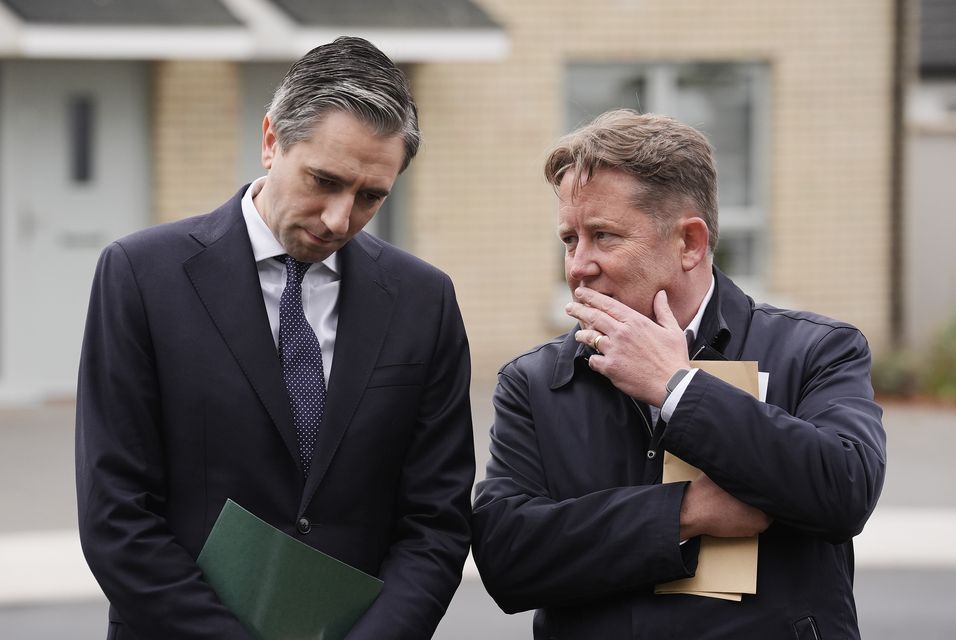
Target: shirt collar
[(694, 326), (264, 244)]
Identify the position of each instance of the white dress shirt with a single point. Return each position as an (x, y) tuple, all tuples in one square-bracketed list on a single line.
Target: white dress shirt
[(320, 286)]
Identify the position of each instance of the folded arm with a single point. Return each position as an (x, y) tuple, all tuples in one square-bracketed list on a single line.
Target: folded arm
[(819, 469), (535, 551)]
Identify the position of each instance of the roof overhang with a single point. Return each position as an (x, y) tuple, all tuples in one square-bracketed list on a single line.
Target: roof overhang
[(261, 32)]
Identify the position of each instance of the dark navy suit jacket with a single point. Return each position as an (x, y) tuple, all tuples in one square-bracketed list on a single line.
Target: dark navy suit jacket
[(181, 405), (572, 519)]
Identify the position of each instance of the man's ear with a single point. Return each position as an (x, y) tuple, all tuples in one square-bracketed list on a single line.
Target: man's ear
[(695, 238), (270, 143)]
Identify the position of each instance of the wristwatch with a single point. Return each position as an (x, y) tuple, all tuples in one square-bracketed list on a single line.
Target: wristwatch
[(675, 380)]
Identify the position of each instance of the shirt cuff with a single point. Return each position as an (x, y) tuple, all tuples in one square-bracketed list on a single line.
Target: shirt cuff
[(670, 405)]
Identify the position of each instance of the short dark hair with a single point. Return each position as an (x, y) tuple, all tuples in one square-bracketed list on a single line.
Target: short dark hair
[(672, 162), (350, 75)]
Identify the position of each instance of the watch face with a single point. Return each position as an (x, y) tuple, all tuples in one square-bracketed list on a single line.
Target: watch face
[(675, 379)]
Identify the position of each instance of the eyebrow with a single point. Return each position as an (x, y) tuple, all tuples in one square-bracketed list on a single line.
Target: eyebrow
[(591, 224)]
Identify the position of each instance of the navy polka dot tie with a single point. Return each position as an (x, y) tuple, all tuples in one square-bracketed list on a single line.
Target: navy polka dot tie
[(301, 358)]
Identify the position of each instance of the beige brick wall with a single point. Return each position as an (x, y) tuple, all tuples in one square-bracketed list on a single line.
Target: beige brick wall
[(481, 210), (196, 136)]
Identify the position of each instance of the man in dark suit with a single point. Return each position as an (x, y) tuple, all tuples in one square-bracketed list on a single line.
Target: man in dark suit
[(273, 353), (572, 518)]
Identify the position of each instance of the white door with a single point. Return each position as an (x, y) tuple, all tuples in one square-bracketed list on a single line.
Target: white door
[(74, 175)]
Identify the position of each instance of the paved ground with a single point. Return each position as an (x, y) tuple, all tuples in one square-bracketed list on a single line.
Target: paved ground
[(906, 583), (893, 605)]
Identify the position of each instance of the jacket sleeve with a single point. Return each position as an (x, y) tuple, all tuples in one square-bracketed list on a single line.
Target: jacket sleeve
[(820, 468), (151, 581), (431, 536), (533, 550)]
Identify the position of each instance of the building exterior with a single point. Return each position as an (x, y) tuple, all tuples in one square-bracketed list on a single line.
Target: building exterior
[(798, 99), (805, 88), (930, 191), (115, 115)]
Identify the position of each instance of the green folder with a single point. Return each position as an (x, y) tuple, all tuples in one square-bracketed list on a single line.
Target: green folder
[(278, 587)]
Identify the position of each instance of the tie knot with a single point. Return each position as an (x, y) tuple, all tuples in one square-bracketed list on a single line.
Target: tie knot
[(296, 268)]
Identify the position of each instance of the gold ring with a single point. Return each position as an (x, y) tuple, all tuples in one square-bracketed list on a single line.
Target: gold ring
[(594, 343)]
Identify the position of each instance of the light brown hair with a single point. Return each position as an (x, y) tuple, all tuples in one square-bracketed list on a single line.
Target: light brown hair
[(672, 162)]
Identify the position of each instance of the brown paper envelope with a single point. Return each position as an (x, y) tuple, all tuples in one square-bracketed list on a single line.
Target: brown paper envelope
[(742, 375), (676, 470), (736, 597), (726, 567)]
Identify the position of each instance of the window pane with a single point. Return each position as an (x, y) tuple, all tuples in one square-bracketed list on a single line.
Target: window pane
[(717, 99), (737, 252), (593, 89)]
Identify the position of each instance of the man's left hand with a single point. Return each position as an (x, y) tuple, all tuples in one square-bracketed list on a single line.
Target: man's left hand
[(637, 354)]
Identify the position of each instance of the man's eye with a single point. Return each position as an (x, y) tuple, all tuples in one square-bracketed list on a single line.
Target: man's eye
[(372, 198), (324, 182), (568, 240), (601, 235)]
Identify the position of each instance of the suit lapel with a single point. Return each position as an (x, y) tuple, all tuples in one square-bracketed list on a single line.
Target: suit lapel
[(366, 300), (225, 277)]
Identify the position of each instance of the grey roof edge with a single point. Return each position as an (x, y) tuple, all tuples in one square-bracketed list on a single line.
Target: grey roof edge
[(242, 44), (385, 14), (264, 34), (205, 13)]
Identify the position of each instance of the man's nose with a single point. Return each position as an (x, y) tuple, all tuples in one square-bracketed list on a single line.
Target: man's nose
[(582, 264), (337, 213)]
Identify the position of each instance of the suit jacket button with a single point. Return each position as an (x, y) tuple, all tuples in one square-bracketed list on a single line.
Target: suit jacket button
[(303, 526)]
